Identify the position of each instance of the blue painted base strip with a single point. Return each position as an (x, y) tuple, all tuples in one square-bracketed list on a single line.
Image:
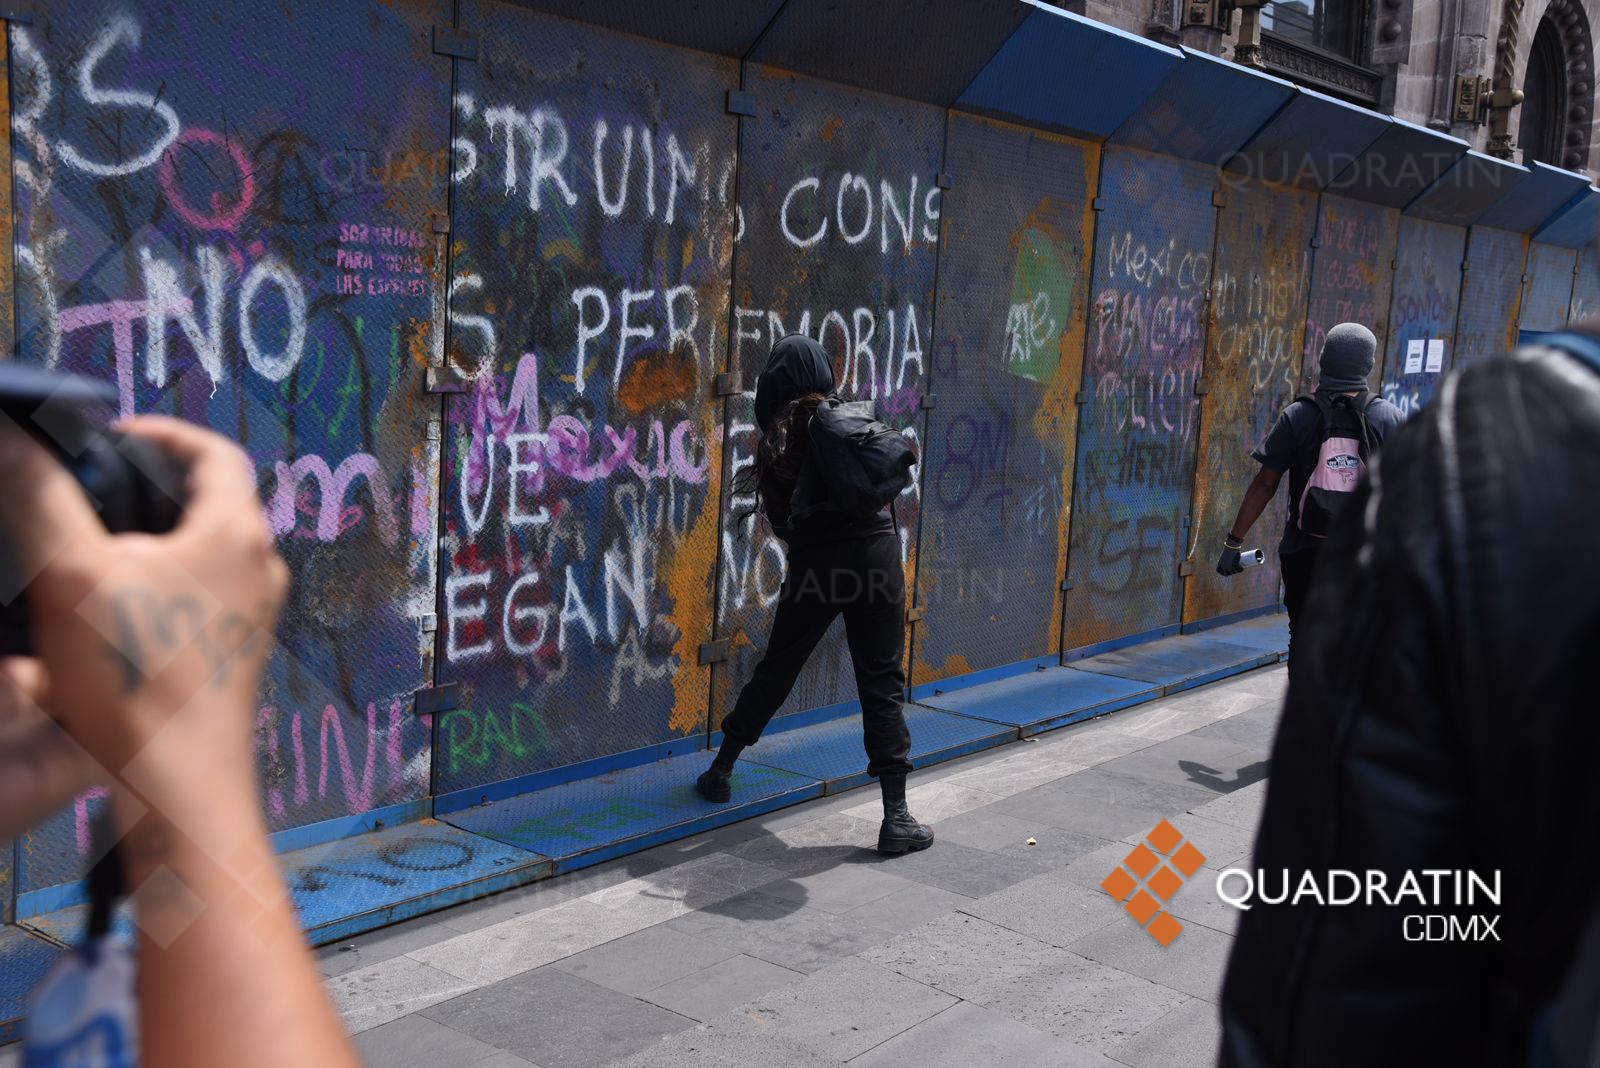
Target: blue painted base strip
[(1181, 662), (1200, 626), (978, 678), (587, 769), (1267, 634), (360, 884), (23, 961), (1042, 700), (1117, 643), (833, 753), (582, 823)]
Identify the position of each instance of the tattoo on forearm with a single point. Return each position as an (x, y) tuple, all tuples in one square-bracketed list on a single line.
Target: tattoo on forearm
[(149, 630)]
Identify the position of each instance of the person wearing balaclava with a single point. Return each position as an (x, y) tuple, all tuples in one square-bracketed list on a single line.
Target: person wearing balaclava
[(1324, 442), (839, 563)]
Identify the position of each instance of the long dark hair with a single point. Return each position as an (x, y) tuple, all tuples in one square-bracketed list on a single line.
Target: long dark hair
[(781, 451)]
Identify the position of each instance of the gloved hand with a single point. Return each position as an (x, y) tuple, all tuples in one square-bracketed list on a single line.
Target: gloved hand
[(1228, 563)]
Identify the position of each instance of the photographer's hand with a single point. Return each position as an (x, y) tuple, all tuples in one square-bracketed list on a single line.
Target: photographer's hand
[(154, 648), (41, 768)]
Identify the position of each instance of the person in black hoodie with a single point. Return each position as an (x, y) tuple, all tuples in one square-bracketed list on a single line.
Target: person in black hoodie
[(838, 563)]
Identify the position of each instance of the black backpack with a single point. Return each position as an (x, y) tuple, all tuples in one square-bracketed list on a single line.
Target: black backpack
[(1333, 458), (862, 463)]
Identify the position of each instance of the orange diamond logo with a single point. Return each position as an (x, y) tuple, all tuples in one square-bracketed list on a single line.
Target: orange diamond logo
[(1150, 882)]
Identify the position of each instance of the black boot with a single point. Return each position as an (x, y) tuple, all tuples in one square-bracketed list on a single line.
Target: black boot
[(715, 783), (900, 833)]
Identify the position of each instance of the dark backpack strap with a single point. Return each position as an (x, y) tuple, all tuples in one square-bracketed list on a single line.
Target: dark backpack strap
[(1580, 346)]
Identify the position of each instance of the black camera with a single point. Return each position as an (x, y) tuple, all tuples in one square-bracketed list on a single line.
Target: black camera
[(132, 483)]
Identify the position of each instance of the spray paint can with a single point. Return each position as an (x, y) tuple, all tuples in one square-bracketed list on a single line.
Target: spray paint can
[(1252, 557)]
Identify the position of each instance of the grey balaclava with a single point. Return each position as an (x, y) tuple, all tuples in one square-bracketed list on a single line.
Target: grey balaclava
[(1348, 353)]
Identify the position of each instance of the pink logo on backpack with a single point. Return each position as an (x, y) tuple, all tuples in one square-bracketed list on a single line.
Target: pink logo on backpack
[(1336, 474)]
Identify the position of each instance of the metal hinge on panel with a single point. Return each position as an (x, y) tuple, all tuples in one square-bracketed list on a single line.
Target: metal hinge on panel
[(715, 652), (1186, 569), (1201, 387), (944, 180), (1316, 242), (741, 103), (441, 222), (930, 400), (1524, 278), (457, 44), (1083, 396), (1067, 584), (729, 385), (914, 614), (17, 11), (1217, 199), (445, 380), (436, 699), (1099, 204), (429, 623), (1394, 265)]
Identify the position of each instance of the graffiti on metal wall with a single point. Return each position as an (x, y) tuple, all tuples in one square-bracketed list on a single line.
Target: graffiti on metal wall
[(838, 238), (1547, 294), (1489, 302), (588, 311), (1138, 426), (1007, 363), (1252, 372), (1351, 277), (1422, 311), (227, 233)]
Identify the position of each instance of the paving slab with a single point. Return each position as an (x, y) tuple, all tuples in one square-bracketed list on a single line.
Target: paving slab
[(1190, 1034), (1050, 908), (508, 948), (965, 1035), (713, 991), (644, 960), (779, 931), (558, 1020), (994, 831), (712, 1046), (1193, 963), (417, 1042), (842, 1010), (371, 996)]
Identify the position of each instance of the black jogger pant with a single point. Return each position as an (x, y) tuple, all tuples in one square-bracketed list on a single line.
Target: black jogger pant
[(862, 579), (1297, 569)]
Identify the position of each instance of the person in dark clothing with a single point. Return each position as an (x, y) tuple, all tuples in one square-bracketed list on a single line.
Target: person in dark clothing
[(1348, 354), (1443, 718), (838, 564)]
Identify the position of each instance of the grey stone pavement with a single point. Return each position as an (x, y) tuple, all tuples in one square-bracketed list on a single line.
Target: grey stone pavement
[(786, 940)]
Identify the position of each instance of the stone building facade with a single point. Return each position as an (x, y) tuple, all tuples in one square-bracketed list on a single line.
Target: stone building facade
[(1451, 65)]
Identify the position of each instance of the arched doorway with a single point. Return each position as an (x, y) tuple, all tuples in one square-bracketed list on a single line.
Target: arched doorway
[(1557, 86)]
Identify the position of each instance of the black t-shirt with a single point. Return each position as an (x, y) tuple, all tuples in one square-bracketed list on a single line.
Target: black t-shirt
[(1282, 450)]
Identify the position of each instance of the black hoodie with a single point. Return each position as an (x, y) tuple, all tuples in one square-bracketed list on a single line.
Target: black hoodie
[(796, 367)]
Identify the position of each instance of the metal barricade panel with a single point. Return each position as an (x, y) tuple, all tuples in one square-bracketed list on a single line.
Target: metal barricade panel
[(1547, 293), (1422, 313), (1586, 286), (1137, 428), (1352, 274), (1252, 370), (840, 212), (233, 236), (1007, 364), (588, 315), (1490, 294)]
